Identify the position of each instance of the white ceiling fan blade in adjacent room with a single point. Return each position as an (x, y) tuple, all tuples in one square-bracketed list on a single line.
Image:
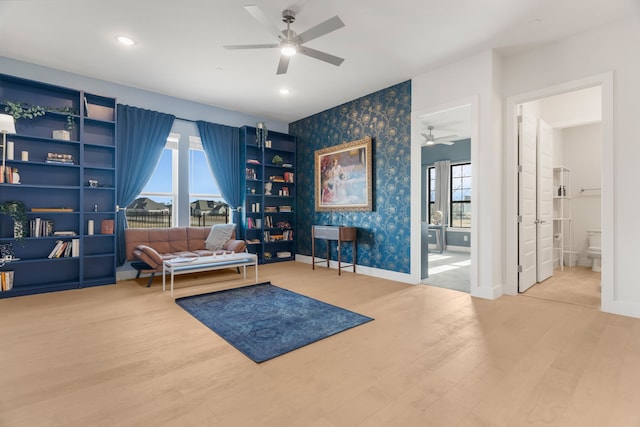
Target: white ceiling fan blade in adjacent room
[(446, 137), (322, 56), (262, 18), (251, 46), (320, 30)]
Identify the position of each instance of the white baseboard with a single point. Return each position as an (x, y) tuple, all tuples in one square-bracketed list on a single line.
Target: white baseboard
[(368, 271)]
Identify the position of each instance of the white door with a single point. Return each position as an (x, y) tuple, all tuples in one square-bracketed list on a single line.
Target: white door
[(527, 205), (545, 202)]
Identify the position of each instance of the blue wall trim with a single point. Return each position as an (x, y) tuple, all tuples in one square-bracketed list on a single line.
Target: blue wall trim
[(384, 233)]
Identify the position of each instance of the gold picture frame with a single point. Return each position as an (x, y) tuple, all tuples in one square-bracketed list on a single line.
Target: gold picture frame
[(343, 177)]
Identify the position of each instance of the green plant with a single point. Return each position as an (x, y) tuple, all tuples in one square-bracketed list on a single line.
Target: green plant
[(277, 159), (22, 110), (17, 211)]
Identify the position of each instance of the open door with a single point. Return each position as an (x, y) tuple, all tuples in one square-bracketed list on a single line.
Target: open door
[(544, 256), (527, 204)]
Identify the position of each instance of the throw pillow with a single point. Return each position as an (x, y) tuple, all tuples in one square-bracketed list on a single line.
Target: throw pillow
[(218, 235)]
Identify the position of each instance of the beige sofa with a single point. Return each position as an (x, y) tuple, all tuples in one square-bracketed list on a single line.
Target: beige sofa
[(147, 248)]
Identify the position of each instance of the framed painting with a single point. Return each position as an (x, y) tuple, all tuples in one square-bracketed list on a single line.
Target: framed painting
[(343, 177)]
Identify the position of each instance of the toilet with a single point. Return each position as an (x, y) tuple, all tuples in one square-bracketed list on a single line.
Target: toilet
[(594, 248)]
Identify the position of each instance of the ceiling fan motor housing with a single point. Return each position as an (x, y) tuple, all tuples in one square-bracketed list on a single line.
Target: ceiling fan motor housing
[(288, 16)]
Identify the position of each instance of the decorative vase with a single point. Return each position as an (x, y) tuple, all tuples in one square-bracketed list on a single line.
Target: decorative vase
[(267, 188), (18, 230)]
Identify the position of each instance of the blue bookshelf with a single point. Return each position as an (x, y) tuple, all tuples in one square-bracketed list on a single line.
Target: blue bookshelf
[(269, 224), (68, 194)]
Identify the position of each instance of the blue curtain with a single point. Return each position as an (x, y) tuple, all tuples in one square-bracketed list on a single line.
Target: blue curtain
[(141, 135), (222, 146)]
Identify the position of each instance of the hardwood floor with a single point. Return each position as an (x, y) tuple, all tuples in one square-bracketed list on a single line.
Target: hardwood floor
[(126, 355), (574, 285)]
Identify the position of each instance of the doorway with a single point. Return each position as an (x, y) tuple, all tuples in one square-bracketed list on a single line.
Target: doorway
[(578, 118), (445, 198)]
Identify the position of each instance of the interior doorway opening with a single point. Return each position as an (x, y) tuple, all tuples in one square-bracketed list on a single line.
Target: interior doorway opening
[(446, 198), (560, 207)]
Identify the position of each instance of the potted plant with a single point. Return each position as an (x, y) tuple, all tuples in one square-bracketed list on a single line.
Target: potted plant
[(277, 160), (21, 110), (17, 211)]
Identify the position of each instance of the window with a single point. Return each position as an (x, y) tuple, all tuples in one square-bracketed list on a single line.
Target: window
[(171, 188), (460, 195), (206, 206), (154, 205), (431, 184)]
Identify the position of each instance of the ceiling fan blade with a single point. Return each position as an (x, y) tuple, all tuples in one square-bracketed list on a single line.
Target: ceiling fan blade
[(322, 56), (444, 142), (321, 29), (283, 65), (262, 18), (439, 138), (251, 46)]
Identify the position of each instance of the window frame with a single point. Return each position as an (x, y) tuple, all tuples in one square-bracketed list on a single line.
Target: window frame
[(459, 202)]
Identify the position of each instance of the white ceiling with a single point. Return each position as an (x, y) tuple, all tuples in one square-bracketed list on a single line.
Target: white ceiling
[(179, 44)]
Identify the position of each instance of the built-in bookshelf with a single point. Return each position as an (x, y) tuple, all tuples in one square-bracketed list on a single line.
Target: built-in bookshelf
[(270, 202), (66, 161)]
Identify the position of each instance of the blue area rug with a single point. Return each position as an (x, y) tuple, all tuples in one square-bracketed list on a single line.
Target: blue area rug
[(264, 321)]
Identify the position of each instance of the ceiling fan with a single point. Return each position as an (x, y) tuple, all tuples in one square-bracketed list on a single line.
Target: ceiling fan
[(290, 42), (430, 138)]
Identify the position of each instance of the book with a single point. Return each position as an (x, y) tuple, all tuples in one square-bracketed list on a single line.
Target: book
[(106, 226), (55, 249), (6, 279), (51, 210), (64, 233), (60, 250), (75, 248)]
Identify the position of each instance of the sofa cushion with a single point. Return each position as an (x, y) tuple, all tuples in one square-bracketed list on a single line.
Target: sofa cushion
[(219, 235)]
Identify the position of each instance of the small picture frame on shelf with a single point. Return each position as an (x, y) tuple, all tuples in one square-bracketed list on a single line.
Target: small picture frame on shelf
[(64, 135)]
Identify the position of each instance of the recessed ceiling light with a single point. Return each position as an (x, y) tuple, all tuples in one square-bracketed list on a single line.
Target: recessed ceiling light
[(127, 41), (285, 92)]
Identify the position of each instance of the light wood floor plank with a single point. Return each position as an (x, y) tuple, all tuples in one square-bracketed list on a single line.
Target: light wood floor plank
[(126, 355)]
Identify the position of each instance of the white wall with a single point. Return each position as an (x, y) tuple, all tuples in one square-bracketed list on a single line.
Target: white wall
[(472, 80), (572, 109), (610, 48), (582, 146)]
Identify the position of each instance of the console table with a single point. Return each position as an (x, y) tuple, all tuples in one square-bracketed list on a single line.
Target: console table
[(338, 233)]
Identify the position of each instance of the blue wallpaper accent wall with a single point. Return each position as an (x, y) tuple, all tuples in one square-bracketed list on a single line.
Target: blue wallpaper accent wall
[(384, 233)]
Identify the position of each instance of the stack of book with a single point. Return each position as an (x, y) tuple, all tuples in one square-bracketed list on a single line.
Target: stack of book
[(66, 159), (6, 280), (9, 175), (65, 249), (288, 176), (285, 208), (39, 227)]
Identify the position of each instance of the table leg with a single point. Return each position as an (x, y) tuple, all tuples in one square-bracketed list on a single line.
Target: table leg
[(313, 252), (355, 254), (339, 258), (328, 251), (164, 271), (172, 274)]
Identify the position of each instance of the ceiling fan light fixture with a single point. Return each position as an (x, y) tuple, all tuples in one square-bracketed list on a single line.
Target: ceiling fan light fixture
[(288, 48)]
